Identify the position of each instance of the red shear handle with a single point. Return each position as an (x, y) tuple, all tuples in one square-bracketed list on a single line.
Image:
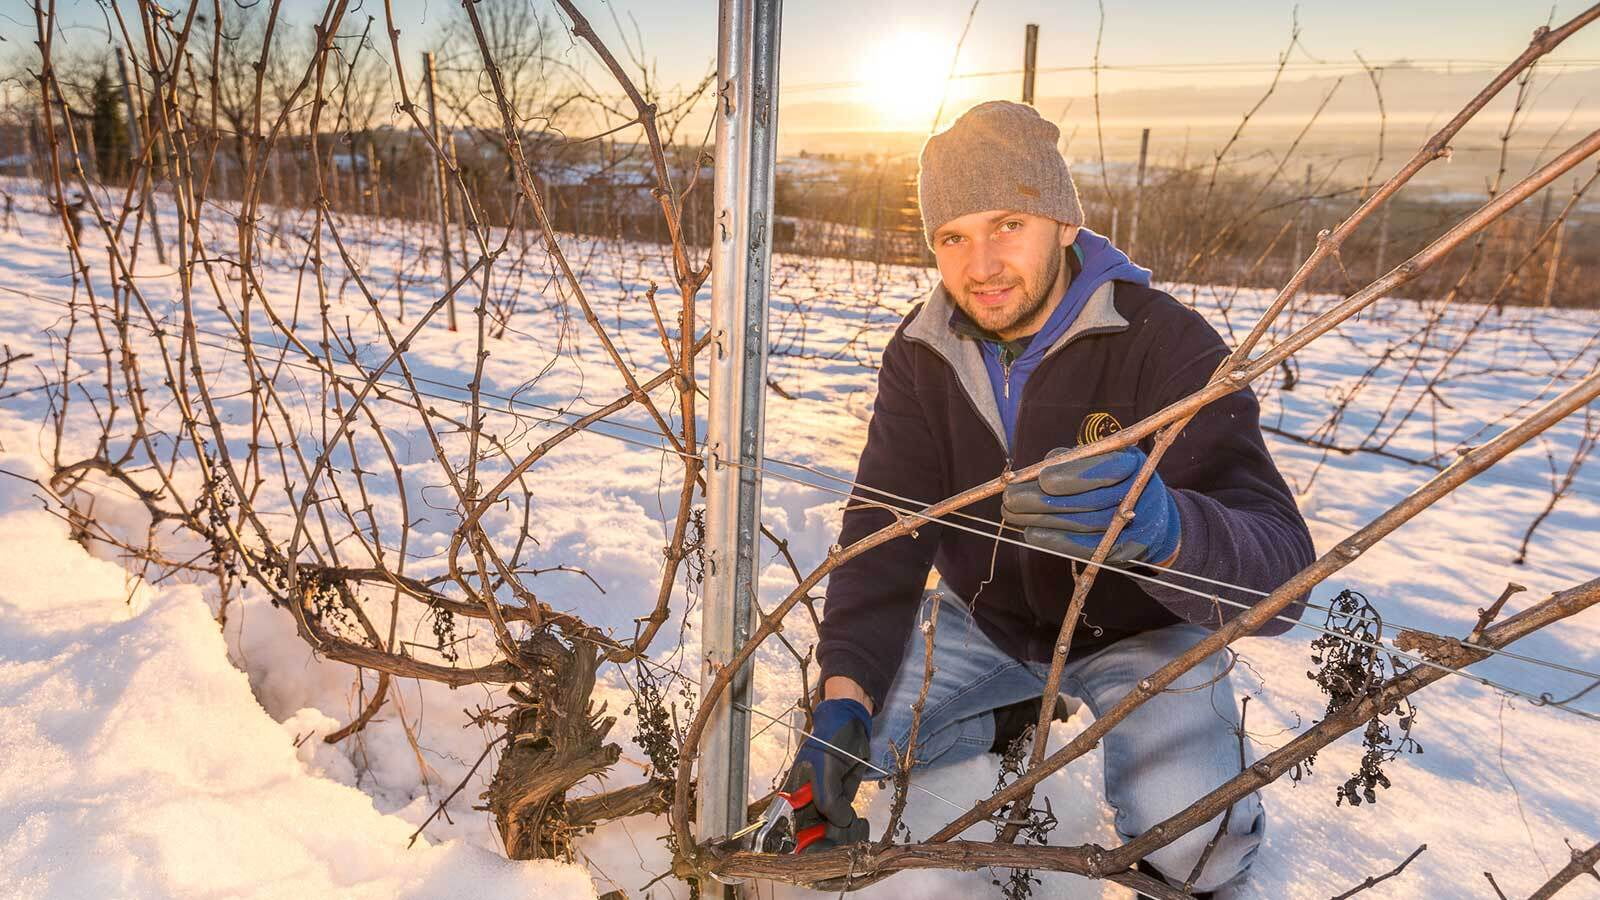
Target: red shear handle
[(809, 836), (799, 797)]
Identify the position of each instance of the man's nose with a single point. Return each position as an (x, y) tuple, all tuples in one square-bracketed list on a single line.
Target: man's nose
[(983, 264)]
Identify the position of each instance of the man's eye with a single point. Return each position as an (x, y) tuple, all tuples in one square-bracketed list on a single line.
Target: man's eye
[(951, 239), (1010, 225)]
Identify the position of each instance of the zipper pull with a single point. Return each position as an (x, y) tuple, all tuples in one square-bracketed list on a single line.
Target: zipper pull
[(1005, 380)]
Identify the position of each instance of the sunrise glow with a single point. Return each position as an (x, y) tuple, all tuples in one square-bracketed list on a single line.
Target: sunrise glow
[(903, 78)]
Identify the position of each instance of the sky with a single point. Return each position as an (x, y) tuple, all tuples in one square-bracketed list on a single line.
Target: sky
[(882, 66), (827, 42)]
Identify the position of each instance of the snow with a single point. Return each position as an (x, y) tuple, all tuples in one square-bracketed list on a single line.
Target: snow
[(139, 764), (151, 754)]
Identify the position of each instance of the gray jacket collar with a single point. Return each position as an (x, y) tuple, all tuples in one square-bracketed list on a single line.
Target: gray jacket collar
[(931, 327)]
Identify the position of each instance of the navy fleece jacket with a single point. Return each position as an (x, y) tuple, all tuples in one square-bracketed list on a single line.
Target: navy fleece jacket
[(936, 430)]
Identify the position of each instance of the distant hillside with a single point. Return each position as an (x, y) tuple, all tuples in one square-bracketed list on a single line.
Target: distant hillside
[(1409, 95), (1188, 122)]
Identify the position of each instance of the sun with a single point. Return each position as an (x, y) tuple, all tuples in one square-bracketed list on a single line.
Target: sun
[(903, 78)]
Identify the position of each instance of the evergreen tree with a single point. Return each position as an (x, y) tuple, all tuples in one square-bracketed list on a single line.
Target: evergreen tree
[(109, 128)]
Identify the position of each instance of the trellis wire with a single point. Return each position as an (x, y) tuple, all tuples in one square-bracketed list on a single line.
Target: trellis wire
[(1543, 699)]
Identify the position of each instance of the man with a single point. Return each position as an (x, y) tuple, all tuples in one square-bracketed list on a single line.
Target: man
[(1042, 335)]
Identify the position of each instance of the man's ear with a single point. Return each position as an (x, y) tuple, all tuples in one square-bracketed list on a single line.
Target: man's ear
[(1067, 233)]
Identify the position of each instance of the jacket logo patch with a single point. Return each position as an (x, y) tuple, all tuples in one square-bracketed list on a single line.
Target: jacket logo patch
[(1096, 426)]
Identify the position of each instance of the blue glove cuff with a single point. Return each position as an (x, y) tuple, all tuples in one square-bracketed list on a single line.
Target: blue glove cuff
[(829, 715), (1166, 544)]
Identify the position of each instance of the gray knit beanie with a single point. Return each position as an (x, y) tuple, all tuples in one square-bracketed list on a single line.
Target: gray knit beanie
[(998, 155)]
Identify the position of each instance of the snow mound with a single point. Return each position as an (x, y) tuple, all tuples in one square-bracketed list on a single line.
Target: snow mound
[(137, 763)]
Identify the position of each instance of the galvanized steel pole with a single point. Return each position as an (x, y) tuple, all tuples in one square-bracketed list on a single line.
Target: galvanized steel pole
[(747, 122)]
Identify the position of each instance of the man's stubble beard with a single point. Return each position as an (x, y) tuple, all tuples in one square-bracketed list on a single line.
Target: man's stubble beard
[(1035, 296)]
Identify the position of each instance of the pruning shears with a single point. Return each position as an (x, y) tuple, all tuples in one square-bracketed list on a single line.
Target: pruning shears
[(776, 830), (779, 832)]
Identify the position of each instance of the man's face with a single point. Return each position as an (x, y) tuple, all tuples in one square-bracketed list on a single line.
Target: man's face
[(1003, 268)]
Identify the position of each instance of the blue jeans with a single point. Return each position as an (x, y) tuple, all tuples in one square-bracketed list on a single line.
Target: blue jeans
[(1171, 751)]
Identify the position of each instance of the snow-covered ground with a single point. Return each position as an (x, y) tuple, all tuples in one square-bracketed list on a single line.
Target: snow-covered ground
[(147, 753)]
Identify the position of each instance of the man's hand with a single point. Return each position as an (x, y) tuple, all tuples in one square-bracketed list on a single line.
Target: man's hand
[(834, 776), (1073, 503)]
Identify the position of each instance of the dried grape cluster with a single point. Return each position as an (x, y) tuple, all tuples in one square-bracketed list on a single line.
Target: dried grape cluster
[(1352, 668), (328, 606), (444, 633), (1036, 823), (1382, 746), (216, 501), (658, 733)]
